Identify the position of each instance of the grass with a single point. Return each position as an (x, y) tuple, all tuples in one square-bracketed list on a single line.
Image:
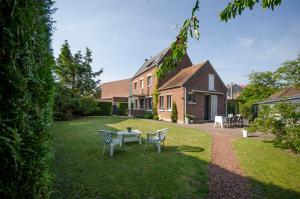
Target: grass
[(274, 172), (81, 171)]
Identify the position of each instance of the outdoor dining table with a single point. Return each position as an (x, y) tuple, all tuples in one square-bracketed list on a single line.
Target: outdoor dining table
[(132, 136)]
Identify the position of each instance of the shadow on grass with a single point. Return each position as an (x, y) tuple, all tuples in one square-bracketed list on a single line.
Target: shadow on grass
[(178, 172), (276, 144)]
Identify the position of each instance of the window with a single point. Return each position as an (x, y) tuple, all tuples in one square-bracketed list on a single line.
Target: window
[(149, 103), (142, 103), (211, 82), (149, 81), (161, 102), (169, 102), (135, 85), (142, 83), (191, 97)]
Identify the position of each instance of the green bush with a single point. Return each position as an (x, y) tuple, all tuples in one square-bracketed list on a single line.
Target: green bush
[(89, 106), (122, 108), (26, 98), (105, 108), (155, 117), (280, 120), (148, 115), (174, 115)]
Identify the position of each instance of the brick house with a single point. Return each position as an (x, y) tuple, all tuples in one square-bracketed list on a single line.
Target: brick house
[(115, 92), (196, 89)]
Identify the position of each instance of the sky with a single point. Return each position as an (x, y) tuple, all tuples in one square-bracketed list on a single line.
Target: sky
[(123, 33)]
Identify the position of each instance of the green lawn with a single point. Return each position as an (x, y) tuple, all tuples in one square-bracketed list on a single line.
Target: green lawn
[(81, 171), (274, 172)]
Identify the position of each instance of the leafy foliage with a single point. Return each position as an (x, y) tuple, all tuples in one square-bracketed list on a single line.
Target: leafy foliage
[(174, 115), (148, 115), (122, 108), (251, 94), (76, 85), (105, 108), (280, 120), (178, 48), (26, 98), (289, 73), (263, 84), (236, 7), (75, 72)]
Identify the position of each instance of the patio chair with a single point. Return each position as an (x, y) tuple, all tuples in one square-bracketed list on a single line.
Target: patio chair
[(219, 121), (157, 138), (111, 139)]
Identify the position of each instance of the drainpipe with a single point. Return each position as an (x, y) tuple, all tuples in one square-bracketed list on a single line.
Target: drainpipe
[(129, 98), (226, 107), (184, 112)]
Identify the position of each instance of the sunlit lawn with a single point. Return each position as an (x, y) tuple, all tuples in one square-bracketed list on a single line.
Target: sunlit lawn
[(81, 171), (275, 172)]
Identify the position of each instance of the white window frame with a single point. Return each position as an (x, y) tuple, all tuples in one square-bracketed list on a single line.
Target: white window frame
[(211, 82), (142, 83), (149, 85), (135, 83), (161, 108), (169, 104)]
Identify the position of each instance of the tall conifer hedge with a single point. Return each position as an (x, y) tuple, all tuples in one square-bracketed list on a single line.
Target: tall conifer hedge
[(26, 97)]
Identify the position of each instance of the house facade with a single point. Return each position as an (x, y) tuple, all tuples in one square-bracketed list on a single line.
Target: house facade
[(196, 89), (115, 92)]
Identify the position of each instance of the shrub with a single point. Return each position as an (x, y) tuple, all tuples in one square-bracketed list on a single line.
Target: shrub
[(122, 108), (148, 115), (280, 120), (26, 98), (89, 106), (155, 117), (174, 115), (105, 108)]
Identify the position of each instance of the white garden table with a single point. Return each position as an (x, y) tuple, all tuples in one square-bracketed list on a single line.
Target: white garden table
[(133, 136)]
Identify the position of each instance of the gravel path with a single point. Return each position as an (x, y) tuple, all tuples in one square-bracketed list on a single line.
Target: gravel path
[(226, 179)]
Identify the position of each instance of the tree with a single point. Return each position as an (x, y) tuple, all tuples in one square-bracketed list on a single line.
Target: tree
[(289, 73), (174, 115), (263, 79), (75, 72), (280, 120), (26, 98)]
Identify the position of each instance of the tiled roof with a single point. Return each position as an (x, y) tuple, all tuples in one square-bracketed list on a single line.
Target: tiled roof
[(180, 78), (118, 88), (152, 61), (285, 93)]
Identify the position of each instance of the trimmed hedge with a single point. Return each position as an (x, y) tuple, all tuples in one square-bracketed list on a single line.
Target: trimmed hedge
[(122, 108), (26, 98), (105, 108)]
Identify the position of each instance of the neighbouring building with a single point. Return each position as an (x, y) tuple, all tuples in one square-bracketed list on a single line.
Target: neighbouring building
[(234, 90), (196, 89), (286, 95), (115, 92)]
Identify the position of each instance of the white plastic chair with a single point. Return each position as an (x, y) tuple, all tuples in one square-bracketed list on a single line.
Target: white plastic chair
[(111, 139), (157, 138), (219, 121)]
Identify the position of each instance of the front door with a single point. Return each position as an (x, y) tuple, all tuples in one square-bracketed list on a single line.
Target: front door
[(206, 107)]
